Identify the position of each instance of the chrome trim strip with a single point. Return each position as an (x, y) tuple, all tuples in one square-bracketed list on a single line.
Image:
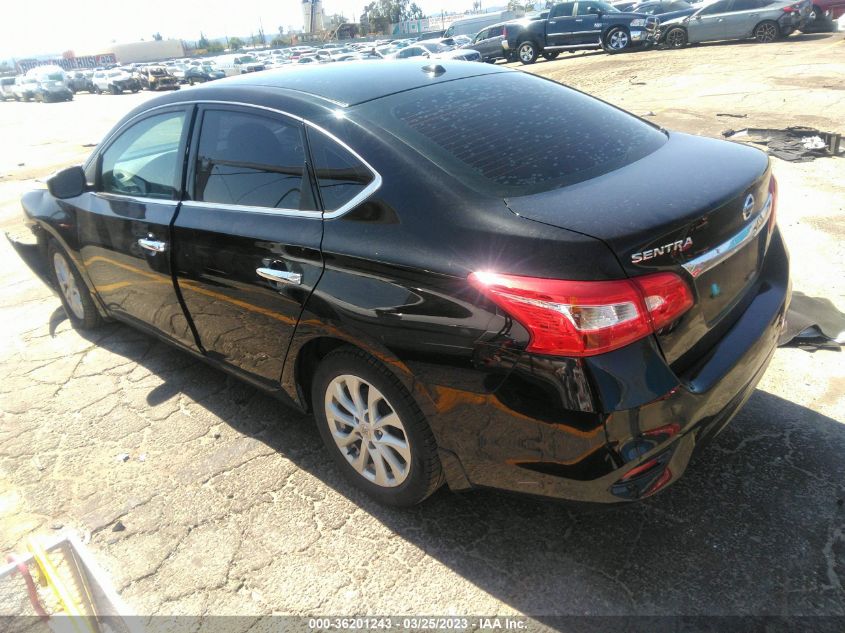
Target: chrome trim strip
[(328, 215), (294, 213), (709, 260), (118, 197)]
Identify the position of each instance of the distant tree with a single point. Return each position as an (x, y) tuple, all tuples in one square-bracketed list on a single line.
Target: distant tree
[(236, 43), (393, 10), (476, 5), (215, 47), (336, 19), (203, 42), (279, 41), (157, 37)]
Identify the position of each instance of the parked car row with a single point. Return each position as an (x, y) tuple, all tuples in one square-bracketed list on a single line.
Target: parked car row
[(46, 83), (619, 27)]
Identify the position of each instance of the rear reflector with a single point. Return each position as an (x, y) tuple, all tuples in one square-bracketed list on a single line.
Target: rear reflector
[(585, 318), (773, 192)]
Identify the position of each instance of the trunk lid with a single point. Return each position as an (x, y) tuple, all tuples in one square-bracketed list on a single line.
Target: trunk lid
[(695, 207)]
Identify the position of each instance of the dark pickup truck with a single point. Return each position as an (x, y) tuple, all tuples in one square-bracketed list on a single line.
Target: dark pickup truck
[(578, 25)]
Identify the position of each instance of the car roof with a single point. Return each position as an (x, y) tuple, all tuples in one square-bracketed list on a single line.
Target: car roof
[(355, 82)]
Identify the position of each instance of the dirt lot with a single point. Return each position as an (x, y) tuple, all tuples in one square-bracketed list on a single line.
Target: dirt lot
[(230, 505)]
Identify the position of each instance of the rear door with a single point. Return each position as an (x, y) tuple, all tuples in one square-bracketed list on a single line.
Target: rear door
[(124, 224), (744, 16), (709, 23), (248, 238), (481, 43), (561, 25)]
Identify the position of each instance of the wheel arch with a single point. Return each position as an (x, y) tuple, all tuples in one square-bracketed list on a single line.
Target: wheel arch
[(308, 349), (611, 27)]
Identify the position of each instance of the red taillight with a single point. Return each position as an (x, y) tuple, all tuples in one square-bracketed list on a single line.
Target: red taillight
[(792, 8), (584, 318), (773, 192)]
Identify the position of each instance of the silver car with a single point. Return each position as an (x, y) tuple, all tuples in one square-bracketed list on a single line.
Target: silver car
[(763, 20), (435, 50)]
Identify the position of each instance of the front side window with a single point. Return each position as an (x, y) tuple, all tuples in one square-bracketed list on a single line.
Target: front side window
[(594, 8), (144, 160), (252, 160), (340, 175), (746, 5)]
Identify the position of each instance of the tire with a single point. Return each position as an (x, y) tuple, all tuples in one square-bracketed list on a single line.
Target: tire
[(191, 81), (97, 90), (551, 56), (527, 52), (617, 40), (766, 32), (74, 294), (115, 90), (410, 469), (676, 37)]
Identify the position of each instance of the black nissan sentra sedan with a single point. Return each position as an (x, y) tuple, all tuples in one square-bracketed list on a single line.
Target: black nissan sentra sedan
[(468, 274)]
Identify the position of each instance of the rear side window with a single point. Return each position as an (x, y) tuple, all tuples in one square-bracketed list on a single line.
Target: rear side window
[(251, 160), (717, 7), (562, 10), (747, 5), (557, 137), (340, 175)]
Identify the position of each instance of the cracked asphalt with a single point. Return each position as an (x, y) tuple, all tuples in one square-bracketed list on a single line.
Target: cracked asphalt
[(229, 505)]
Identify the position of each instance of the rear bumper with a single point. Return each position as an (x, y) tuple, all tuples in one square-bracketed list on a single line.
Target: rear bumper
[(537, 433)]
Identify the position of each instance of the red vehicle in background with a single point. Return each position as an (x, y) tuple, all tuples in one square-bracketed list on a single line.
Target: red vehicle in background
[(825, 12)]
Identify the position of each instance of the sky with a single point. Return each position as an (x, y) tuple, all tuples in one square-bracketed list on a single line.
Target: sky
[(84, 26)]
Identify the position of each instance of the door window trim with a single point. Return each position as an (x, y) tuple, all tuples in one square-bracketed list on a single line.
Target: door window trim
[(365, 193)]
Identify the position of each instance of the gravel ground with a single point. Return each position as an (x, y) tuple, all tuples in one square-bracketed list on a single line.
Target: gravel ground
[(230, 506)]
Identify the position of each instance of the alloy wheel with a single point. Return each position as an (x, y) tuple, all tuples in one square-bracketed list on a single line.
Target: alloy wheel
[(67, 285), (526, 53), (676, 38), (367, 431), (618, 40), (766, 33)]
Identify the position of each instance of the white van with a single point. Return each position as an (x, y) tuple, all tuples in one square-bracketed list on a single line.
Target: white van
[(472, 24), (238, 64)]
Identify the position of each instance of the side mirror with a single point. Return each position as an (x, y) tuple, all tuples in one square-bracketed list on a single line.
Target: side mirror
[(599, 12), (67, 183)]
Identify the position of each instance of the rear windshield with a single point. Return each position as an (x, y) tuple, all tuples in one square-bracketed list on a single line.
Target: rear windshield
[(511, 134)]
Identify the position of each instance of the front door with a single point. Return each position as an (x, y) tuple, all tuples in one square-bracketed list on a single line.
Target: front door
[(589, 23), (247, 239), (124, 224)]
